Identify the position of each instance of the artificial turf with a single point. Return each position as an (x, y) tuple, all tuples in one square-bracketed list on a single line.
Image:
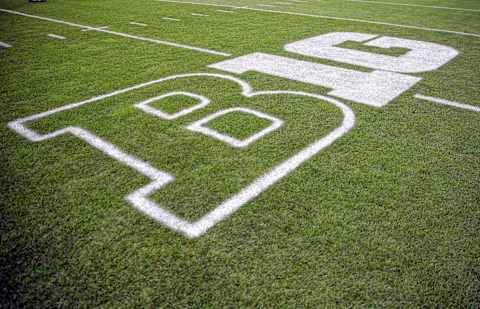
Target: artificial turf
[(387, 216)]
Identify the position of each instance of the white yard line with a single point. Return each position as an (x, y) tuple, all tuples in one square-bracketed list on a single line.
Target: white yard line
[(54, 36), (416, 5), (5, 45), (99, 28), (198, 14), (448, 103), (121, 34), (366, 21), (171, 19), (137, 24)]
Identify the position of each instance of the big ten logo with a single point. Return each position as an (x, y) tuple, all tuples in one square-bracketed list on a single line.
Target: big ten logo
[(207, 143), (389, 75), (210, 143)]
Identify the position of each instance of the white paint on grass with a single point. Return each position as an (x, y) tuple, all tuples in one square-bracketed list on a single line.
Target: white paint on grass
[(199, 126), (98, 28), (137, 24), (139, 199), (366, 21), (198, 14), (376, 88), (224, 11), (145, 105), (54, 36), (170, 19), (416, 5), (449, 103), (266, 5), (121, 34), (5, 45), (421, 57)]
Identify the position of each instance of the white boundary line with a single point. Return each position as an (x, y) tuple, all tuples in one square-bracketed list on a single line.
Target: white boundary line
[(171, 19), (327, 17), (224, 11), (448, 103), (121, 34), (140, 198), (5, 45), (415, 5), (198, 14), (98, 28), (54, 36), (137, 24)]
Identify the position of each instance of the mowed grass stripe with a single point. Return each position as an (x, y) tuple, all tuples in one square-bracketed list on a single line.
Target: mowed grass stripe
[(327, 17), (126, 35)]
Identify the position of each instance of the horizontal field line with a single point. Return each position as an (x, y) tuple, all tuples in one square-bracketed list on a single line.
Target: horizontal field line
[(121, 34), (170, 18), (5, 45), (54, 36), (366, 21), (415, 5), (137, 24), (448, 103)]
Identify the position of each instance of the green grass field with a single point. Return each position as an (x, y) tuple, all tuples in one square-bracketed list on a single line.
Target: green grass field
[(384, 214)]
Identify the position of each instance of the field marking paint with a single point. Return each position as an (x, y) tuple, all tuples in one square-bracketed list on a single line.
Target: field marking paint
[(421, 57), (201, 15), (145, 105), (266, 5), (54, 36), (199, 126), (415, 5), (171, 19), (366, 21), (224, 11), (5, 45), (98, 28), (139, 198), (448, 103), (376, 88), (137, 24), (121, 34)]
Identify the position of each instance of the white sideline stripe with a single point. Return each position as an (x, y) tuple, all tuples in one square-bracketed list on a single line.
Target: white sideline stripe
[(416, 5), (448, 103), (54, 36), (198, 14), (327, 17), (137, 24), (223, 11), (169, 18), (266, 5), (3, 44), (125, 35), (139, 199)]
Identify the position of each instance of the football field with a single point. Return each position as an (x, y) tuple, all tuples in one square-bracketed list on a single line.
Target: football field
[(240, 154)]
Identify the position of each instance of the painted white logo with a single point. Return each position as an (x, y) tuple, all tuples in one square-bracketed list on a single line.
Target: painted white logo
[(159, 179), (376, 88)]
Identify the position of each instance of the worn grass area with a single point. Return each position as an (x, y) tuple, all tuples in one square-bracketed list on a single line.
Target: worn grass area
[(388, 216)]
